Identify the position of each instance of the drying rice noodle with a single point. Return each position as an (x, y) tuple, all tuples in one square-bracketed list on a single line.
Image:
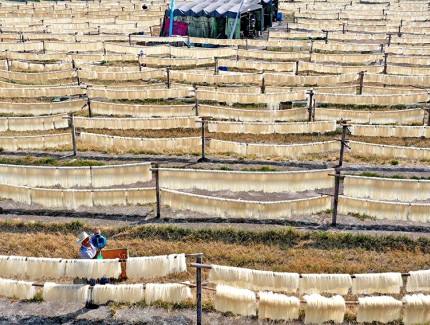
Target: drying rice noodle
[(418, 281), (17, 289), (276, 306), (166, 292), (110, 268), (231, 276), (417, 309), (38, 268), (123, 293), (320, 309), (147, 267), (380, 309), (65, 292), (13, 265), (274, 281), (379, 282), (238, 301), (331, 283)]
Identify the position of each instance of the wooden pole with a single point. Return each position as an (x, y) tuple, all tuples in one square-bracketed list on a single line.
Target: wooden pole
[(77, 76), (263, 86), (216, 66), (168, 77), (326, 36), (385, 63), (196, 103), (310, 106), (360, 90), (157, 190), (73, 129), (90, 113), (203, 122), (338, 175), (199, 260), (389, 39), (297, 68)]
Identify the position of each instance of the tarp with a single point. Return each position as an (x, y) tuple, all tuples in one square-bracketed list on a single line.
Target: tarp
[(215, 8)]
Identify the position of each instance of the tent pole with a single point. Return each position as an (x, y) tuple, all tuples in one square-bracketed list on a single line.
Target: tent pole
[(235, 21), (172, 8)]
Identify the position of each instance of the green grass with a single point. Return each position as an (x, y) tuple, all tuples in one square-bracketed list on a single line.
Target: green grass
[(49, 161), (260, 169), (361, 216), (285, 237), (396, 176)]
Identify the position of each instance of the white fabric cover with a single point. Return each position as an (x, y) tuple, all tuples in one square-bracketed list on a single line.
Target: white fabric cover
[(238, 301)]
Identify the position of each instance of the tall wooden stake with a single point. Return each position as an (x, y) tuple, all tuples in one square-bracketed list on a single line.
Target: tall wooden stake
[(360, 90), (72, 126), (216, 66), (199, 259), (385, 63), (263, 85), (203, 122), (338, 169), (310, 106), (157, 189), (90, 113), (168, 77)]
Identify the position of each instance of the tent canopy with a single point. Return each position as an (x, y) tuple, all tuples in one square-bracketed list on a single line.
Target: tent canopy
[(216, 8)]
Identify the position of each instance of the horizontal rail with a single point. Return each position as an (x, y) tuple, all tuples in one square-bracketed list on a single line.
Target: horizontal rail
[(207, 266)]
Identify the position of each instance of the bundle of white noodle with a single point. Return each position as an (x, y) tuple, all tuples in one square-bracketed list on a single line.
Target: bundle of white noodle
[(418, 281), (166, 292), (238, 301), (65, 292), (110, 268), (277, 307), (39, 267), (319, 309), (378, 282), (148, 267), (331, 283), (13, 265), (274, 281), (231, 276), (378, 309), (417, 309), (17, 289), (123, 293)]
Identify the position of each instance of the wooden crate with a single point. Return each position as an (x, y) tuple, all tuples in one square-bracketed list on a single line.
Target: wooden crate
[(121, 253)]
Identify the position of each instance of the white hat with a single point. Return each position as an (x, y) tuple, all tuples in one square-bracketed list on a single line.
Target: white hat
[(82, 236)]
